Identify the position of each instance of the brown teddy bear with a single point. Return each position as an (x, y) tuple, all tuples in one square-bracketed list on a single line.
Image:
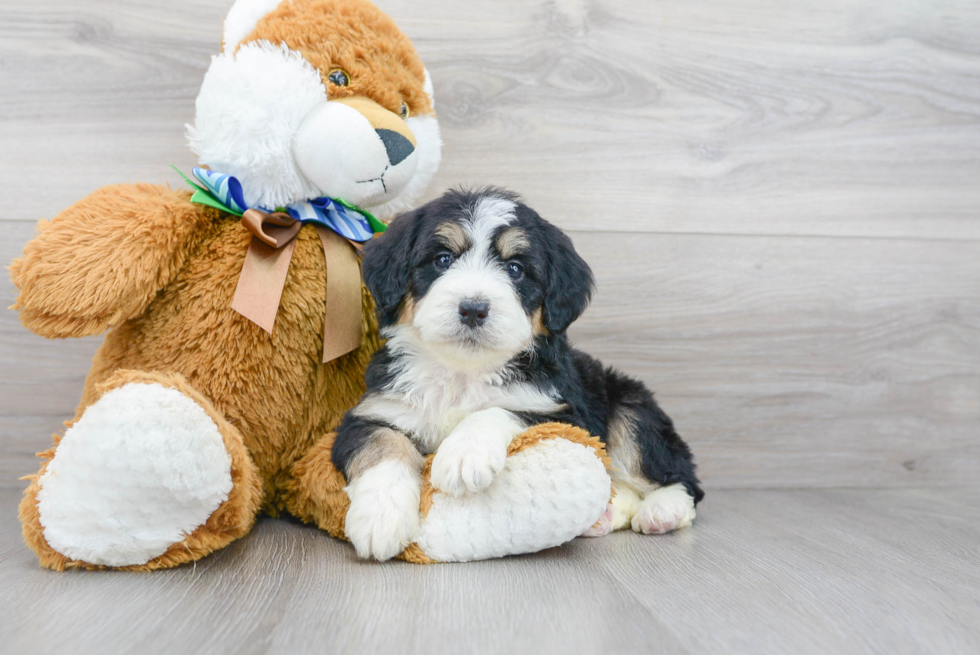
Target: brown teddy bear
[(238, 329)]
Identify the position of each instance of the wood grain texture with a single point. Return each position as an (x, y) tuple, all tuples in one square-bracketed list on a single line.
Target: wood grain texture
[(831, 118), (832, 571), (780, 202), (785, 361)]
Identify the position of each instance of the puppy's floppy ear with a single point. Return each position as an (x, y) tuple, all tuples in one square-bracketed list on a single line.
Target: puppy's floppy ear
[(387, 265), (570, 283)]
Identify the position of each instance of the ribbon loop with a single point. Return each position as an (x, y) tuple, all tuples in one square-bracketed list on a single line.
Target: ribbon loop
[(341, 227), (263, 278), (258, 223)]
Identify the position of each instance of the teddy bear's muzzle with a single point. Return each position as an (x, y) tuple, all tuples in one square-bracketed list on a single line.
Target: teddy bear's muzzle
[(355, 149)]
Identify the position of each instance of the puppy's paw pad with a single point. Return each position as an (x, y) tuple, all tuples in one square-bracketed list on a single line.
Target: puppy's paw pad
[(664, 510), (604, 525), (462, 465)]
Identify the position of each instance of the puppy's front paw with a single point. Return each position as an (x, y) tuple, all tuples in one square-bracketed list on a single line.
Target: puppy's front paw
[(467, 463), (383, 518), (664, 510)]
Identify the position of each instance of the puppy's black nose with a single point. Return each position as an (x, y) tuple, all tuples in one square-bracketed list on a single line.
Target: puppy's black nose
[(473, 312)]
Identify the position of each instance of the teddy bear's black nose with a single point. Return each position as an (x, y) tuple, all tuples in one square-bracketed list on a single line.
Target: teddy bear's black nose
[(473, 312), (397, 146)]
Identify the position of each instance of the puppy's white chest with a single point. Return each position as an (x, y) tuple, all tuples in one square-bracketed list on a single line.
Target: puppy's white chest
[(447, 402)]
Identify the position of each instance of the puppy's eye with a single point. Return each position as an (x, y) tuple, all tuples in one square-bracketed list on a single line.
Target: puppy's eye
[(515, 270), (339, 77), (443, 261), (403, 112)]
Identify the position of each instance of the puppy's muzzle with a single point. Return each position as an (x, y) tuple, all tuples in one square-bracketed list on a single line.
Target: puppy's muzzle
[(473, 313)]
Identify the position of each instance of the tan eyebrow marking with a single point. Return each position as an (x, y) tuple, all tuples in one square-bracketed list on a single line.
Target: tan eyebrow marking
[(512, 241), (454, 237)]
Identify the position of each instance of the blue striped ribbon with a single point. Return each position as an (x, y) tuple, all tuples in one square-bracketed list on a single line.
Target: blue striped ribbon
[(345, 221)]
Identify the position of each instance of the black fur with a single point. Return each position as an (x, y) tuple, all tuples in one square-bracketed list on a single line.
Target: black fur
[(388, 262), (559, 284), (593, 394), (357, 432)]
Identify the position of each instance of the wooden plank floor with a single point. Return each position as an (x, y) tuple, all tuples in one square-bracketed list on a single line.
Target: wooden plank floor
[(781, 203), (818, 571)]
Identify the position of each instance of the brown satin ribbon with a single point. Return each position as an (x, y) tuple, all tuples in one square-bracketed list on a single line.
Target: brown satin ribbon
[(263, 277)]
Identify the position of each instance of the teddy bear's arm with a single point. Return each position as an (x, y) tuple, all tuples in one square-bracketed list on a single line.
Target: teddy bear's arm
[(101, 261)]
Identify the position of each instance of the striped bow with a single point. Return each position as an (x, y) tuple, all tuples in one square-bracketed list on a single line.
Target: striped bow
[(341, 228), (343, 218)]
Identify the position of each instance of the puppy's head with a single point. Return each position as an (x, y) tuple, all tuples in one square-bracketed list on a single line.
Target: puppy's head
[(475, 275)]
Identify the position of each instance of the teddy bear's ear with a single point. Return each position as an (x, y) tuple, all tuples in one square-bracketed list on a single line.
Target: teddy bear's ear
[(242, 18), (427, 87), (387, 265)]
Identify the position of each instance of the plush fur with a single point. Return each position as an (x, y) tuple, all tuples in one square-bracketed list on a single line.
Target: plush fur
[(263, 90), (159, 274), (263, 113), (475, 293)]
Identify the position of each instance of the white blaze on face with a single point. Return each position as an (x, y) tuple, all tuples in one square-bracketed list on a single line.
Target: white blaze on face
[(476, 275)]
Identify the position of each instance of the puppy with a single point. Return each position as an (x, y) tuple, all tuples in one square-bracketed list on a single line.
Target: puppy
[(474, 292)]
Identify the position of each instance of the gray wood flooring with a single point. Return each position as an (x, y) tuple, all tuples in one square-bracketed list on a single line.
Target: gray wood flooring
[(781, 202), (798, 571)]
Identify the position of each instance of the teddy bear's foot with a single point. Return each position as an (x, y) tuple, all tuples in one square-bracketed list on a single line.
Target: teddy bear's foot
[(143, 468)]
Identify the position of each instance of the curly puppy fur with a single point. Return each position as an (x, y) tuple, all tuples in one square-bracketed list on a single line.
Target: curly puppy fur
[(475, 293)]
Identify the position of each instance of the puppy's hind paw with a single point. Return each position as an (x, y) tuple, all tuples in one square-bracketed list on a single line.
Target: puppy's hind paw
[(604, 525), (383, 518), (664, 510)]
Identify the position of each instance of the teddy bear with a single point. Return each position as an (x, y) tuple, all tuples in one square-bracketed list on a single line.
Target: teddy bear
[(237, 327)]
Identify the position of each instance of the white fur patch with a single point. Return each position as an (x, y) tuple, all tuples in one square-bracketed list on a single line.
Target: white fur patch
[(546, 495), (339, 152), (507, 329), (475, 452), (250, 106), (141, 469), (383, 517), (242, 18), (428, 398), (663, 510), (617, 516)]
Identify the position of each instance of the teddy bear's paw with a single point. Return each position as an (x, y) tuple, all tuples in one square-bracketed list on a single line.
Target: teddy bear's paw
[(664, 510), (467, 463), (140, 470), (383, 518)]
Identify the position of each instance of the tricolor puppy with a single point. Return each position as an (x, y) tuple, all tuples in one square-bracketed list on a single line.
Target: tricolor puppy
[(474, 292)]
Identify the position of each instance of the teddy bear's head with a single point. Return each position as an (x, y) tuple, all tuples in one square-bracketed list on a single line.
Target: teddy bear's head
[(314, 98)]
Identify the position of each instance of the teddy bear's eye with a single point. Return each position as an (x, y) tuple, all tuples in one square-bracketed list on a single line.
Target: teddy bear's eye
[(339, 77), (404, 112)]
